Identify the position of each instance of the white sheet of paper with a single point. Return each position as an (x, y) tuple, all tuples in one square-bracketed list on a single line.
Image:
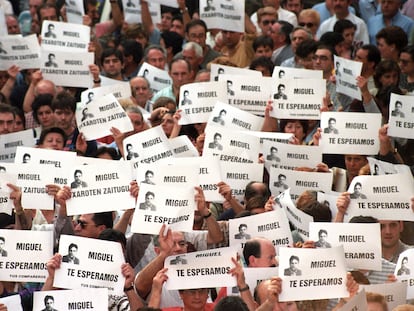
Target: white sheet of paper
[(296, 73), (75, 11), (158, 79), (253, 277), (10, 142), (395, 293), (223, 14), (119, 90), (183, 147), (20, 51), (60, 36), (98, 265), (12, 302), (24, 255), (346, 71), (401, 112), (217, 70), (378, 167)]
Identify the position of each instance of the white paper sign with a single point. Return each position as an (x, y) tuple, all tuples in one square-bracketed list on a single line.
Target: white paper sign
[(20, 51), (309, 274), (296, 73), (24, 254), (133, 11), (395, 293), (378, 167), (66, 68), (343, 130), (361, 242), (119, 90), (95, 188), (157, 205), (6, 204), (223, 14), (253, 277), (74, 11), (401, 112), (383, 197), (95, 119), (183, 147), (217, 70), (94, 264), (197, 100), (346, 71), (203, 269), (76, 299), (59, 36), (12, 302), (358, 302), (10, 142), (158, 79)]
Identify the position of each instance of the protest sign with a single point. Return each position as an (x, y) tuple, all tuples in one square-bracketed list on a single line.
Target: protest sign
[(157, 78), (378, 167), (67, 68), (253, 277), (158, 205), (119, 90), (95, 188), (361, 242), (76, 299), (217, 70), (309, 274), (400, 113), (24, 254), (385, 197), (296, 73), (346, 71), (75, 11), (183, 147), (10, 142), (395, 293), (297, 98), (342, 130), (90, 263), (95, 119), (60, 36), (23, 52), (202, 269), (223, 14)]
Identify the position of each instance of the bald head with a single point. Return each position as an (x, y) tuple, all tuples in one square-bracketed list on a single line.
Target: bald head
[(45, 87)]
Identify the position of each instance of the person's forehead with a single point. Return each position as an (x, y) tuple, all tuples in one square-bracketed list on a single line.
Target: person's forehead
[(139, 81), (6, 116), (196, 29), (179, 66), (155, 53), (113, 56), (300, 33), (323, 52), (189, 52), (177, 236)]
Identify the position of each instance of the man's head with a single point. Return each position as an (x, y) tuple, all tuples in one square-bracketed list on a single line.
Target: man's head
[(263, 46), (149, 197), (26, 158), (194, 299), (13, 27), (340, 8), (177, 25), (293, 262), (280, 33), (294, 6), (370, 57), (156, 56), (231, 38), (229, 84), (323, 60), (357, 187), (91, 9), (196, 31), (193, 53), (7, 119), (222, 113), (331, 123), (390, 233), (112, 62), (281, 88), (64, 106), (128, 147), (309, 19), (137, 120), (49, 302), (180, 244), (242, 229), (217, 138), (398, 105), (91, 225), (72, 250), (390, 8), (149, 175), (180, 71), (2, 242), (273, 150), (51, 27), (51, 57), (48, 12), (376, 302), (141, 91), (259, 253), (266, 17), (77, 176), (281, 178), (298, 35), (353, 163), (323, 234), (404, 262)]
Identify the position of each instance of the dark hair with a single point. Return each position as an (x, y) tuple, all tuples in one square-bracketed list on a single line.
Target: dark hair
[(322, 231), (293, 257), (179, 59), (77, 171), (173, 40), (19, 113), (250, 191), (49, 130), (154, 47), (284, 122), (393, 35), (149, 172), (331, 38), (343, 24), (46, 6), (363, 220), (48, 297), (262, 41), (251, 248), (4, 108), (64, 101), (195, 22), (374, 54), (286, 29), (409, 50), (111, 51), (109, 150), (231, 303), (319, 211), (103, 218), (262, 61), (134, 48), (358, 184), (306, 47), (39, 101), (326, 46), (113, 235), (384, 67), (72, 245), (2, 239), (149, 193)]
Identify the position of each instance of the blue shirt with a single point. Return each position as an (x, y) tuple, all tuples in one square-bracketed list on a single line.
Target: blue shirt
[(324, 12), (376, 23)]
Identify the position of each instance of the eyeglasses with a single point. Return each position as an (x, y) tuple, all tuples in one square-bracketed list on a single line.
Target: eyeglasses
[(83, 223), (308, 25), (405, 61), (322, 58), (268, 21), (195, 291)]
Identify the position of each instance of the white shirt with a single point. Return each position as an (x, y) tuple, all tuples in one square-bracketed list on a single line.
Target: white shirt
[(283, 15)]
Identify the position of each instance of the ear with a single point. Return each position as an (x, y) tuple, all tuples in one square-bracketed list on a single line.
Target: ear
[(251, 261)]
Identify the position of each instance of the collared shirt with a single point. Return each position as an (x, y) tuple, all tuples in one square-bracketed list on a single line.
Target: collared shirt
[(376, 23)]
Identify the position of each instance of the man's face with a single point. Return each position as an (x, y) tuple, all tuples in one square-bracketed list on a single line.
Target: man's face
[(332, 124), (78, 176), (197, 34), (340, 6), (178, 27), (390, 7), (148, 177), (112, 66), (268, 255), (390, 232), (322, 60), (137, 123), (217, 139), (191, 57), (273, 152), (265, 51), (142, 91), (72, 252), (277, 37), (293, 264), (26, 158), (64, 118), (294, 6), (149, 198), (398, 106), (349, 35), (354, 163), (166, 21), (298, 36), (86, 227), (48, 14), (266, 23), (180, 244), (281, 89), (231, 38), (13, 27), (406, 63), (242, 230), (282, 179), (7, 120), (361, 55), (194, 299), (156, 58), (93, 14), (33, 6), (323, 236), (49, 304), (179, 73)]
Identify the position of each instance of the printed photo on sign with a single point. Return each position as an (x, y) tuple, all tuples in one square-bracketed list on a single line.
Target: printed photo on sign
[(158, 79), (76, 299), (217, 70), (204, 269), (342, 130), (67, 68), (90, 264), (346, 71), (273, 226), (296, 73), (378, 167), (119, 90), (401, 112), (95, 188), (361, 242), (95, 119), (238, 175), (197, 100), (59, 36), (157, 205), (229, 145), (309, 274), (383, 197), (248, 93), (10, 142), (297, 98), (223, 14), (75, 11), (404, 271), (23, 52), (24, 254)]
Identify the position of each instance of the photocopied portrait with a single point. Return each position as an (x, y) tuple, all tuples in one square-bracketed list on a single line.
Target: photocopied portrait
[(50, 32), (216, 143), (3, 252), (404, 269), (78, 183), (280, 92), (130, 152), (322, 242), (51, 61), (178, 260), (397, 110), (71, 256), (293, 267), (242, 233), (186, 100), (331, 129), (148, 205), (49, 303), (220, 118), (357, 192)]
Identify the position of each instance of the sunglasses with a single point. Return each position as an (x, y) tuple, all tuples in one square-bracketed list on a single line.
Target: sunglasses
[(308, 25), (267, 22), (83, 223)]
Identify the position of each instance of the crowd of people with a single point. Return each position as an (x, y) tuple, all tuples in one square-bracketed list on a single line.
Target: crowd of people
[(287, 33)]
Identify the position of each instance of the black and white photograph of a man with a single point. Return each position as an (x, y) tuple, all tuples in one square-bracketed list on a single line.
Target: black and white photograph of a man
[(404, 270), (26, 158), (130, 4), (280, 92), (49, 303), (216, 143), (337, 69), (86, 114), (186, 100), (2, 51), (357, 192), (397, 110), (242, 235), (210, 6), (78, 183), (331, 129), (50, 31), (178, 260), (220, 118), (91, 95), (293, 267), (219, 72), (130, 152), (148, 205), (71, 256), (3, 252), (280, 183), (230, 88), (322, 242), (149, 175), (51, 61), (272, 156)]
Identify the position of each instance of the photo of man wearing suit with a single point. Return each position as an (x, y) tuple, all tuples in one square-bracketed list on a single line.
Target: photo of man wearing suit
[(70, 257), (293, 267), (3, 252)]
